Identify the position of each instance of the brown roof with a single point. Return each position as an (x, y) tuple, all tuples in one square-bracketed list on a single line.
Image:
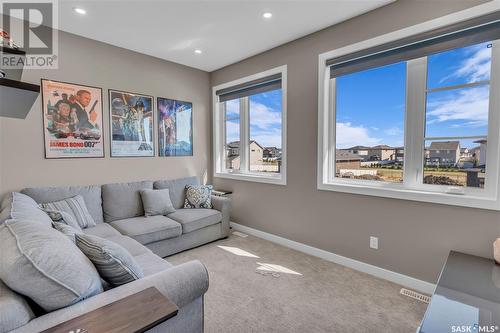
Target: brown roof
[(358, 148), (344, 155), (236, 144), (382, 147), (370, 148), (444, 145)]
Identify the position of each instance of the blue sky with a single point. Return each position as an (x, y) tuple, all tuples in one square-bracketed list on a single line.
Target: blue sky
[(371, 103), (265, 119)]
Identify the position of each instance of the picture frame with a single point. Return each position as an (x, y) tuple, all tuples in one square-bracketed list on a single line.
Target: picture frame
[(131, 124), (175, 127), (72, 118)]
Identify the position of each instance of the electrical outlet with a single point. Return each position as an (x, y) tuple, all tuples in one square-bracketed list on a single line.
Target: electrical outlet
[(374, 242)]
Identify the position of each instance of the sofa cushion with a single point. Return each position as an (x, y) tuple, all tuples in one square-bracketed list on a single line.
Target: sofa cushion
[(44, 265), (177, 188), (147, 230), (103, 230), (75, 207), (123, 200), (194, 219), (91, 194), (156, 202), (113, 262), (20, 206), (15, 312), (131, 245), (151, 263)]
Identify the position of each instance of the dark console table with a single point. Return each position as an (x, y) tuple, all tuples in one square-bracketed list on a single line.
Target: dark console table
[(135, 313), (467, 297)]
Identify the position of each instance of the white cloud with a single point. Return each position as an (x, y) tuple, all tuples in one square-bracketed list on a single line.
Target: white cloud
[(233, 108), (470, 105), (393, 131), (475, 67), (349, 135), (265, 124), (269, 138), (264, 117), (232, 131)]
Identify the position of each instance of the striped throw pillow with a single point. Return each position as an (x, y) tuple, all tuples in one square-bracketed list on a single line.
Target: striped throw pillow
[(113, 262), (75, 207), (66, 229), (62, 217)]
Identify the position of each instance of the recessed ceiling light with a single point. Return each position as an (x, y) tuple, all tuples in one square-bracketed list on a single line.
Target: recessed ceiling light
[(267, 15), (80, 11), (198, 51)]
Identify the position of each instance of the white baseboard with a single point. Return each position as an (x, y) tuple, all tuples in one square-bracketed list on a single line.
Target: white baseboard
[(404, 280)]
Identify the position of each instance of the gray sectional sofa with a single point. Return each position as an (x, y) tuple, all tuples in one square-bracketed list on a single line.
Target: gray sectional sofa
[(118, 212)]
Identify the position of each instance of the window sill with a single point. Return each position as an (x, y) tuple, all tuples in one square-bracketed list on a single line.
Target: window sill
[(258, 178), (462, 200)]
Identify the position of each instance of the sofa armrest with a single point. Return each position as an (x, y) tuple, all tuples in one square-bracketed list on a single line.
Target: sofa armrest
[(223, 204), (182, 284)]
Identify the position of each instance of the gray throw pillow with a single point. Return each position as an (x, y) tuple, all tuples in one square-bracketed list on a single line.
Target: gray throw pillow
[(20, 206), (157, 202), (16, 311), (198, 196), (43, 264), (75, 207), (114, 263), (67, 230), (64, 218)]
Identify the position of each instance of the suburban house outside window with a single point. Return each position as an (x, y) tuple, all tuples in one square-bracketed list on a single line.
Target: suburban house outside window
[(249, 131), (414, 117)]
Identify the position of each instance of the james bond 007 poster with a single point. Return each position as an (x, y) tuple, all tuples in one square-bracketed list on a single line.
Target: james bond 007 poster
[(72, 119)]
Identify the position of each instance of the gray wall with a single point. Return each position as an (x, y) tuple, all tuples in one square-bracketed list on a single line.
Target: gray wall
[(414, 237), (89, 62)]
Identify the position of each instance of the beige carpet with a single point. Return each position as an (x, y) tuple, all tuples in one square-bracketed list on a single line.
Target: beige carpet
[(307, 295)]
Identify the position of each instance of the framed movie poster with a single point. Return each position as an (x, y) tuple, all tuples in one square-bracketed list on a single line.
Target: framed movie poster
[(72, 120), (131, 117), (175, 127)]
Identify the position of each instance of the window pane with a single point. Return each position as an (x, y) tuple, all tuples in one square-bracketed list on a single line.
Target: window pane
[(232, 140), (457, 112), (370, 110), (465, 65), (455, 162), (265, 131)]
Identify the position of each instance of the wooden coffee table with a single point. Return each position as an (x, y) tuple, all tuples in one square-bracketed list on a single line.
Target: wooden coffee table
[(136, 313)]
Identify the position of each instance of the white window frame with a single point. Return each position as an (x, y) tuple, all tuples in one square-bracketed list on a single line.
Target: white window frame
[(219, 128), (412, 187)]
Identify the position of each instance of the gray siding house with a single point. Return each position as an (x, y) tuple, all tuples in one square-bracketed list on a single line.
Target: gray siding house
[(444, 153)]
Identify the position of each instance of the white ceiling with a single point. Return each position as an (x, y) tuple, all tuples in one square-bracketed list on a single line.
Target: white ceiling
[(226, 31)]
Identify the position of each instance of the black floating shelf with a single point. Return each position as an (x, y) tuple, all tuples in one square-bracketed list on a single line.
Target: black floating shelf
[(17, 98), (11, 50), (19, 85)]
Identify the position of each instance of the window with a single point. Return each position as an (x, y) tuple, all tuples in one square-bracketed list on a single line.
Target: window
[(457, 104), (232, 133), (370, 115), (249, 136), (414, 118)]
